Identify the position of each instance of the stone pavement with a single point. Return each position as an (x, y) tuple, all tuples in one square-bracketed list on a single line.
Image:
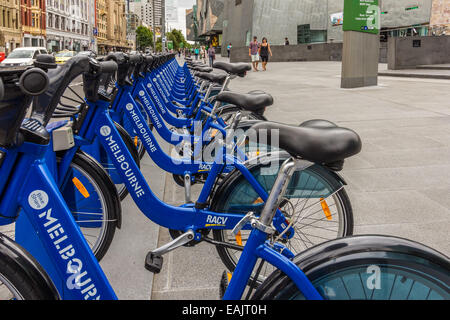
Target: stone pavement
[(399, 184), (425, 72)]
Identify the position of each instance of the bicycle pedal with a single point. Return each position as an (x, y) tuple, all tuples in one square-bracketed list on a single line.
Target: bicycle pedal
[(153, 263), (224, 282)]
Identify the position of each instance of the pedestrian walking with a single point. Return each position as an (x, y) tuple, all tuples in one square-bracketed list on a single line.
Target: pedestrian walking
[(196, 52), (230, 46), (212, 56), (264, 51), (286, 41), (204, 53), (253, 52)]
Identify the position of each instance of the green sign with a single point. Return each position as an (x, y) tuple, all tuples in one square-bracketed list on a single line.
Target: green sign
[(362, 16)]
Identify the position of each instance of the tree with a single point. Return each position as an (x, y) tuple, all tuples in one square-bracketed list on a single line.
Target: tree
[(178, 38), (144, 38), (159, 47)]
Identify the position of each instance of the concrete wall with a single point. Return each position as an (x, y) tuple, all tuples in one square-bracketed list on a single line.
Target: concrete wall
[(302, 52), (397, 16), (278, 19), (403, 55), (237, 22)]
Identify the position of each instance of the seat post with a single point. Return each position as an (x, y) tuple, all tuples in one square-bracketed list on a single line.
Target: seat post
[(279, 188)]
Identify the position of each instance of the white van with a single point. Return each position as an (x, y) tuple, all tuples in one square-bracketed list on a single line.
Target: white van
[(24, 56)]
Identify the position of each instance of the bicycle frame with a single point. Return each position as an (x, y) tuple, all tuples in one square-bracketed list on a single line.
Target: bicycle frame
[(51, 235), (47, 229)]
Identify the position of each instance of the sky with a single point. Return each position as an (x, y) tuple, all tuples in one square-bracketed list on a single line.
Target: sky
[(181, 23)]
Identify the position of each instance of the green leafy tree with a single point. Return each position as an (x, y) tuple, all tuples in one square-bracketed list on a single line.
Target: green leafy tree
[(159, 46), (178, 38), (144, 38)]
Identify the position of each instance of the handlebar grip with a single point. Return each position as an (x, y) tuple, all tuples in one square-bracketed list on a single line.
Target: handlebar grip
[(108, 67), (135, 58)]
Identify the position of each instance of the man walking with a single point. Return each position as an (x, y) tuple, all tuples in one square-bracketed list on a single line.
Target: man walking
[(212, 56), (253, 53)]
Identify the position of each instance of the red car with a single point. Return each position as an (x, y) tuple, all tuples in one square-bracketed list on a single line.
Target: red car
[(2, 56)]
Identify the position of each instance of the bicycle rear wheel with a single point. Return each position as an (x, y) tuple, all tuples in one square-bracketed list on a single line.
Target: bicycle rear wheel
[(21, 277), (401, 270), (94, 203), (315, 193)]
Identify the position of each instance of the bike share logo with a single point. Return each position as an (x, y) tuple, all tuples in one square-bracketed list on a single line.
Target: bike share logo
[(129, 107), (105, 131), (38, 199), (141, 93), (77, 278)]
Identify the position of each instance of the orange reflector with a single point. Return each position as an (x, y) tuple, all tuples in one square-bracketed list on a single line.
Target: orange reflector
[(257, 201), (214, 132), (239, 238), (325, 208), (229, 275), (81, 187), (135, 141)]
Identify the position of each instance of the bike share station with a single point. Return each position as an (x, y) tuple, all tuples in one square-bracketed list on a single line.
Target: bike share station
[(77, 170)]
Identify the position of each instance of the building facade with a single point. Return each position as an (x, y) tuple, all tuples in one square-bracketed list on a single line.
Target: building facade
[(440, 17), (151, 13), (111, 26), (210, 20), (69, 25), (33, 18), (315, 21), (10, 25), (190, 25)]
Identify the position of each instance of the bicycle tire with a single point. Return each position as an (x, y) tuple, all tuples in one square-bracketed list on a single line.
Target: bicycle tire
[(408, 271), (22, 274), (235, 181), (109, 199)]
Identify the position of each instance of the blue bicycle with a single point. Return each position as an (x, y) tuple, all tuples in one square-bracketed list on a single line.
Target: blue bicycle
[(237, 193), (56, 261)]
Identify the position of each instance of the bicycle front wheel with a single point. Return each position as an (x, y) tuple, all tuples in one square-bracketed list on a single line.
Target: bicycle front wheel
[(314, 194), (373, 268), (94, 203)]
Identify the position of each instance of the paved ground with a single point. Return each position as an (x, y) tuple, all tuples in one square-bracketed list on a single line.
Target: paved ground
[(425, 72), (399, 184)]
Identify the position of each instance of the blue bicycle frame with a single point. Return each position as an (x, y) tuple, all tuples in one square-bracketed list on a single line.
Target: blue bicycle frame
[(55, 240)]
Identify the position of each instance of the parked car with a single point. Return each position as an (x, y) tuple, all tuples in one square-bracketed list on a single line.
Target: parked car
[(2, 56), (63, 56), (24, 56)]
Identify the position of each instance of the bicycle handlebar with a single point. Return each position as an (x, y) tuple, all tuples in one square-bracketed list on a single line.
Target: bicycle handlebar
[(108, 66)]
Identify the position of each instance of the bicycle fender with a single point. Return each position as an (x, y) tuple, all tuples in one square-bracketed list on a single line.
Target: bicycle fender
[(13, 254)]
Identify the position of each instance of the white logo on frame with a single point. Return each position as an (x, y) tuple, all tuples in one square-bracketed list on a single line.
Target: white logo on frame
[(141, 93), (105, 131), (129, 107), (38, 199), (149, 85)]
